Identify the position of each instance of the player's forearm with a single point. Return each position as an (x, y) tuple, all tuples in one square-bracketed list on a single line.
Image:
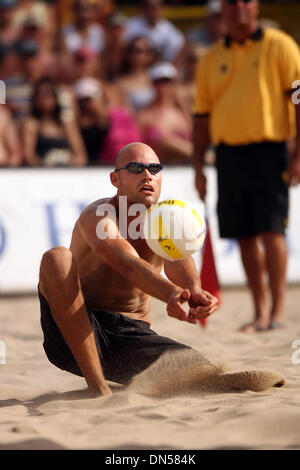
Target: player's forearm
[(183, 273), (142, 275)]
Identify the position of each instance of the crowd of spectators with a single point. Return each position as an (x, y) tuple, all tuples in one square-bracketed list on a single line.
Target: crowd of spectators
[(82, 80)]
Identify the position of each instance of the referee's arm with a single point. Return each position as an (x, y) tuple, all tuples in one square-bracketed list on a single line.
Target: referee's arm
[(201, 142), (294, 166), (201, 131)]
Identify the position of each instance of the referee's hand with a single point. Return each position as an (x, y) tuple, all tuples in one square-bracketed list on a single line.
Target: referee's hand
[(200, 183), (294, 169)]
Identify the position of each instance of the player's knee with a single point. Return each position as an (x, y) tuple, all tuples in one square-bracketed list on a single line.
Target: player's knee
[(56, 260)]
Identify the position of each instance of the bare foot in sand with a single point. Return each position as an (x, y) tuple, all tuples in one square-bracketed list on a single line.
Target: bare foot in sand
[(254, 327)]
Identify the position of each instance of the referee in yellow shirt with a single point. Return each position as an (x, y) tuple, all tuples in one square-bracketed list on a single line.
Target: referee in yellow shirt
[(244, 107)]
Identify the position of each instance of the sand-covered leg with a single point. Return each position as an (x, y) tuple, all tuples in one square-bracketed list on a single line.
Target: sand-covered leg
[(189, 372), (254, 380), (173, 373)]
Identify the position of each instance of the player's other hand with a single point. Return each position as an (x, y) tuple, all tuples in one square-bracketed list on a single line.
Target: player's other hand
[(175, 307), (202, 304)]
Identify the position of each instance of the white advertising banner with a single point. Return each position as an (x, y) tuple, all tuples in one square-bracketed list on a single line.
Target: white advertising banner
[(38, 209)]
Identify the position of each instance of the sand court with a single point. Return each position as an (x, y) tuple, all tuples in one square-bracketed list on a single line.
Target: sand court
[(43, 407)]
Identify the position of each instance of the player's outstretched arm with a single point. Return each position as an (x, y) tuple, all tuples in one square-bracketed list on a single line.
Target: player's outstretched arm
[(103, 236)]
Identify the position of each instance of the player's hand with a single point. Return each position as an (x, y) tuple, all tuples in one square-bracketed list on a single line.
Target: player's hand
[(106, 391), (200, 183), (202, 304), (100, 391), (175, 308)]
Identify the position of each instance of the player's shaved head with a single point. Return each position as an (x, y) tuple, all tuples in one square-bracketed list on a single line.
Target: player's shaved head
[(135, 152), (142, 187)]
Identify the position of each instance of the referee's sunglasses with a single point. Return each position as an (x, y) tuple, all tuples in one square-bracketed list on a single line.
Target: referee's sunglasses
[(234, 2), (138, 168)]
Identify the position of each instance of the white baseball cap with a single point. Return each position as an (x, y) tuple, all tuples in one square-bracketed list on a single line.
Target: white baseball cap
[(87, 88), (214, 7), (162, 70)]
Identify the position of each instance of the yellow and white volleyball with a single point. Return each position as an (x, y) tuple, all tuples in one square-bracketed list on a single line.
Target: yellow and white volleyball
[(174, 229)]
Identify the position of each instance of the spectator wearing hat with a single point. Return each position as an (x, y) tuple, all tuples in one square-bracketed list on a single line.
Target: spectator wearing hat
[(214, 25), (93, 116), (165, 123), (165, 38), (37, 21), (105, 128), (50, 134)]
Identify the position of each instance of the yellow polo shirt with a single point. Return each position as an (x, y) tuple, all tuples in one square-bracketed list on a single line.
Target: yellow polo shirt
[(243, 88)]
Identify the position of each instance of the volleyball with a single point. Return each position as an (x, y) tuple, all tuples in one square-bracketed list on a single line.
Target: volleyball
[(174, 229)]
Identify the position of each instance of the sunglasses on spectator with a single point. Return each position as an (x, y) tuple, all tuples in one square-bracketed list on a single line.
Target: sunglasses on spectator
[(138, 168), (234, 2)]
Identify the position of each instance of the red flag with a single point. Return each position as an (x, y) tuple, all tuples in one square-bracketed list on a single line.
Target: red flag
[(208, 273)]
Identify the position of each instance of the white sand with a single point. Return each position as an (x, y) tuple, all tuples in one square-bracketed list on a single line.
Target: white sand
[(45, 408)]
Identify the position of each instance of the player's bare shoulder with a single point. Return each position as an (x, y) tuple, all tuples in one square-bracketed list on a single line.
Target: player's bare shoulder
[(92, 213), (89, 219)]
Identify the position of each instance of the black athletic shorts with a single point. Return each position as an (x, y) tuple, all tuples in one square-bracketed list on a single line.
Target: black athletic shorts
[(125, 347), (252, 193)]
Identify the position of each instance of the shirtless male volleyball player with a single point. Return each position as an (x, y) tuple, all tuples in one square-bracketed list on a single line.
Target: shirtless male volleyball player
[(95, 297)]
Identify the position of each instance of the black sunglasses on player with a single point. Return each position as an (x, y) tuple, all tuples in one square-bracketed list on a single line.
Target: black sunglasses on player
[(234, 2), (138, 168)]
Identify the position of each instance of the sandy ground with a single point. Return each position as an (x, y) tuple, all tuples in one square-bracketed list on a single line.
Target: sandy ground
[(45, 408)]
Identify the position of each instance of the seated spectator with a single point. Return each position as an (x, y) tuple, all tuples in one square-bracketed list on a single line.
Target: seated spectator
[(36, 19), (104, 127), (165, 124), (85, 63), (102, 9), (9, 60), (9, 32), (50, 134), (23, 65), (214, 25), (165, 38), (186, 88), (14, 72), (85, 31), (135, 82), (112, 54), (10, 148)]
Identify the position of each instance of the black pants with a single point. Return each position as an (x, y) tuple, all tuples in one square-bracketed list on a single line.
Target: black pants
[(252, 192), (125, 347)]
